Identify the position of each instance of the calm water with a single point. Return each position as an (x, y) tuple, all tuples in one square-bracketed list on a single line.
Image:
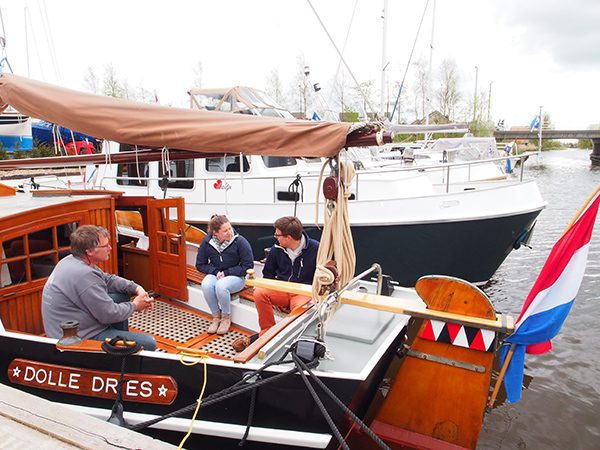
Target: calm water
[(560, 409)]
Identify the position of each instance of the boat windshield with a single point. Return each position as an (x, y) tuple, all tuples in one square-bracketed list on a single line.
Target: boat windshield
[(240, 99), (467, 148)]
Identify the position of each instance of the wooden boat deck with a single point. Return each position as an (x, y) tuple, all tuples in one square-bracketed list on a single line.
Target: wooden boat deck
[(175, 325)]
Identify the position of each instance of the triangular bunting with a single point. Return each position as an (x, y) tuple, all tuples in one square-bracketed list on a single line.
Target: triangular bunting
[(437, 326), (444, 335), (478, 343), (461, 338), (453, 329), (471, 332), (428, 332), (488, 338)]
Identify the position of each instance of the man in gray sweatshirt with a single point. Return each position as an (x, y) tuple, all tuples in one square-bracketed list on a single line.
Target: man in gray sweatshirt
[(79, 290)]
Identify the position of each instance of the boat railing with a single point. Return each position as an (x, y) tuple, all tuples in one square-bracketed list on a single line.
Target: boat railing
[(275, 180), (448, 167)]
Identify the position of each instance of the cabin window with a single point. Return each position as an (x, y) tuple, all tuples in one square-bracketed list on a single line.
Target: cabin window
[(231, 163), (279, 161), (133, 174), (33, 256), (179, 169)]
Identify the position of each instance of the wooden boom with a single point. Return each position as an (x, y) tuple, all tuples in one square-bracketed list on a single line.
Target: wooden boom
[(399, 305)]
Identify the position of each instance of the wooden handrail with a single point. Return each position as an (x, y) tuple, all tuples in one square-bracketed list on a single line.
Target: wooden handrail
[(398, 305)]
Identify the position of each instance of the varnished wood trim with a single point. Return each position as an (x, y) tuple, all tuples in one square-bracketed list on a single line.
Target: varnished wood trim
[(398, 305), (255, 347), (6, 191)]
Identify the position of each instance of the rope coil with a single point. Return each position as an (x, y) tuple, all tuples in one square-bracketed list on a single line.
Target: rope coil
[(336, 239)]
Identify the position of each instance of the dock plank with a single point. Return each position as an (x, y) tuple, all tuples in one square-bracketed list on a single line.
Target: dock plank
[(27, 421)]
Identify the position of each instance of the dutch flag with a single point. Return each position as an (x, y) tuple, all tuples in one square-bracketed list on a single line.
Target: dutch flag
[(550, 299)]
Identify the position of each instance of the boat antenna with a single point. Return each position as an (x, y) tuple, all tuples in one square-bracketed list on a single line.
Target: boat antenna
[(408, 63), (366, 100)]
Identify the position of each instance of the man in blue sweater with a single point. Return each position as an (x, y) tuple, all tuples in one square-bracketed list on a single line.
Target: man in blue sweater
[(293, 258)]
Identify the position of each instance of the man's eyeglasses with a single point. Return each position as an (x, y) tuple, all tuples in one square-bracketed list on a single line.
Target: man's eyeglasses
[(276, 235), (103, 246)]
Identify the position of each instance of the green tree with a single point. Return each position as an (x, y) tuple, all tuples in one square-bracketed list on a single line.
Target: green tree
[(448, 93), (111, 86), (274, 87), (90, 81), (300, 88)]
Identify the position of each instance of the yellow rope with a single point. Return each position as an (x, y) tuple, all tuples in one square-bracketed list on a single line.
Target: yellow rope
[(193, 363)]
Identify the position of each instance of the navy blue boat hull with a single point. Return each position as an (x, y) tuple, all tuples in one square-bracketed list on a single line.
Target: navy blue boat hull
[(471, 250)]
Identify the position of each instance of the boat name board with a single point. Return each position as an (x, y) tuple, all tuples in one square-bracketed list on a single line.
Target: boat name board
[(158, 389), (460, 335)]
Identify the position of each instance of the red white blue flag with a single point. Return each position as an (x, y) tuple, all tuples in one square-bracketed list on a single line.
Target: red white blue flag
[(550, 299)]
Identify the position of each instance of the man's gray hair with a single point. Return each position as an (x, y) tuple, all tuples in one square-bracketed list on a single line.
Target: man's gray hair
[(85, 238)]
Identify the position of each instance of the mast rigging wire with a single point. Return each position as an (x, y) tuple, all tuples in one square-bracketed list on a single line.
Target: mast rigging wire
[(408, 63), (346, 39), (342, 58)]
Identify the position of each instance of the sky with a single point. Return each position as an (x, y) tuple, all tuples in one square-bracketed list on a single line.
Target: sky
[(526, 53)]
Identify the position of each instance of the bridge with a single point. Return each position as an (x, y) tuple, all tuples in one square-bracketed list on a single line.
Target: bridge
[(593, 135)]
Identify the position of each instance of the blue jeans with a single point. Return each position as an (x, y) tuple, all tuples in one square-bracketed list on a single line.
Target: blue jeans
[(122, 328), (217, 293)]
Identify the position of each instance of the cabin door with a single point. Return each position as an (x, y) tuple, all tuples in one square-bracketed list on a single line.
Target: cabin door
[(166, 230)]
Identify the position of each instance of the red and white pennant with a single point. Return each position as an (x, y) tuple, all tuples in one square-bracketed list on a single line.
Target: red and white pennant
[(460, 335)]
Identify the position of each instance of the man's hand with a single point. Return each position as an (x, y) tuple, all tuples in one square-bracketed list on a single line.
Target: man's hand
[(220, 275), (143, 302), (141, 292)]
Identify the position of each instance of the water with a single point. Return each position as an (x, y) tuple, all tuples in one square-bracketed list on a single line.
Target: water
[(560, 406)]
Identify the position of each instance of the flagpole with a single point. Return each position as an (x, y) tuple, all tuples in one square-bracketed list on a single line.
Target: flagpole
[(511, 350), (509, 356), (583, 207)]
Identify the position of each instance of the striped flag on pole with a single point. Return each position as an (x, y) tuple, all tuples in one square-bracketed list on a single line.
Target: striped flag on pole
[(550, 299)]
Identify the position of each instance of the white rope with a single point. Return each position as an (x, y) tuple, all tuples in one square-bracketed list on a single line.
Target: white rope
[(166, 163), (242, 171), (336, 239), (137, 165)]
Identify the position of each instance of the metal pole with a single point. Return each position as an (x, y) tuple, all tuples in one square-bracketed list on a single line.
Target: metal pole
[(428, 88), (383, 59), (475, 94), (490, 102), (540, 133)]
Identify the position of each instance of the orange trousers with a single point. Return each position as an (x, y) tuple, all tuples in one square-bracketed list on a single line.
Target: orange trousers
[(267, 299)]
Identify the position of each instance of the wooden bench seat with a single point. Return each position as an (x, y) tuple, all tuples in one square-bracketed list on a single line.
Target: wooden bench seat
[(195, 276)]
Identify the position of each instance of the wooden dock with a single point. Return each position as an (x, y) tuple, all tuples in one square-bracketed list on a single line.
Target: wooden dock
[(27, 422)]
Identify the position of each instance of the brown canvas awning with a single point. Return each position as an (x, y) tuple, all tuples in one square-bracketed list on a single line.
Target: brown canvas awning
[(175, 128)]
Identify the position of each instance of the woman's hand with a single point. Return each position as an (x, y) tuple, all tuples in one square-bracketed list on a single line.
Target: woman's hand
[(220, 275)]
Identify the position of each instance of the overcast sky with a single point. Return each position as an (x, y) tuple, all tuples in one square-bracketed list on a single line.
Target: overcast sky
[(533, 53)]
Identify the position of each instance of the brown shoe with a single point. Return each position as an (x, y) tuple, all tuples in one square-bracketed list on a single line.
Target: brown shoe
[(224, 324), (214, 325), (240, 344)]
